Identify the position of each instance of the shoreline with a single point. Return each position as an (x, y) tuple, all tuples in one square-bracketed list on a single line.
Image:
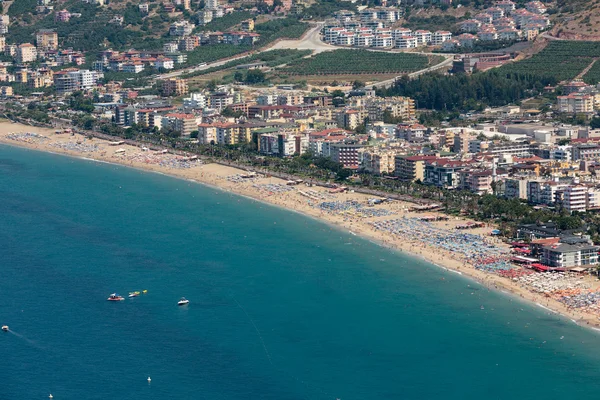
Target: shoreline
[(224, 178)]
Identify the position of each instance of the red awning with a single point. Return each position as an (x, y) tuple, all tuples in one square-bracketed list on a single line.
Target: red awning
[(541, 267)]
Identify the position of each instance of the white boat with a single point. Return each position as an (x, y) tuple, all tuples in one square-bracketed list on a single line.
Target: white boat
[(5, 328), (183, 302)]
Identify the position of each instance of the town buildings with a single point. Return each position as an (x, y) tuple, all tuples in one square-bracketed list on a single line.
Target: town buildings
[(174, 87)]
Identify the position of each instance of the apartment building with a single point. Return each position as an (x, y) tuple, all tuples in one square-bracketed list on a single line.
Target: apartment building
[(345, 154), (564, 255), (407, 42), (378, 161), (181, 28), (411, 168), (440, 37), (444, 173), (46, 39), (179, 122), (26, 53), (578, 103), (174, 87), (71, 80)]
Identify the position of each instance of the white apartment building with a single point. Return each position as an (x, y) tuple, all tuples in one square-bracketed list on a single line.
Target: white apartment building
[(423, 37), (495, 12), (368, 15), (73, 80), (345, 39), (383, 41), (574, 198), (506, 5), (181, 28), (364, 39), (407, 42), (487, 36), (196, 101), (331, 34), (401, 32), (267, 99), (470, 25), (440, 37), (212, 4), (509, 34)]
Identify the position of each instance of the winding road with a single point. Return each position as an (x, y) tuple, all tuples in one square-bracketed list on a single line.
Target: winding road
[(311, 40)]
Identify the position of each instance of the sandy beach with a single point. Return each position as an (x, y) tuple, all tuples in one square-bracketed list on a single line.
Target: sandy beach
[(470, 252)]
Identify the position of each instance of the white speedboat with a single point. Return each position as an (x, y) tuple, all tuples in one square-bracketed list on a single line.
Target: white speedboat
[(183, 302), (115, 297), (5, 328)]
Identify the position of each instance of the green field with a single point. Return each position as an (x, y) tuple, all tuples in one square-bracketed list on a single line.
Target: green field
[(357, 62), (271, 58), (560, 59), (593, 75)]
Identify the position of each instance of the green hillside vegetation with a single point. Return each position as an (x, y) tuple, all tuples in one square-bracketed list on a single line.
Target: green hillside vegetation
[(357, 62), (289, 28), (269, 31), (86, 33), (226, 22), (593, 75), (560, 60)]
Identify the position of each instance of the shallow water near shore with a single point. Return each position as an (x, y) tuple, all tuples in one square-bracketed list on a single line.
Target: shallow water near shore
[(282, 306)]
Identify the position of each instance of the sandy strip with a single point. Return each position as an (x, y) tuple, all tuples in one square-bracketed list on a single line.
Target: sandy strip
[(220, 176)]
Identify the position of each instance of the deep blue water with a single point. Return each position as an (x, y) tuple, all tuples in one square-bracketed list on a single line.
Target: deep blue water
[(282, 306)]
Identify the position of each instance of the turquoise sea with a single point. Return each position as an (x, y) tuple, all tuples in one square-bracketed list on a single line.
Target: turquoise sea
[(282, 306)]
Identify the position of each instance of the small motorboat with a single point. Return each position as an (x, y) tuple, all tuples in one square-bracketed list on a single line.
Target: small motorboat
[(115, 297), (183, 302), (5, 328), (145, 291), (134, 294)]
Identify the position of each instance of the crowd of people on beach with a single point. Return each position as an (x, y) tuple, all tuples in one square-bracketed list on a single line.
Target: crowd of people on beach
[(27, 137), (76, 146), (239, 178), (163, 159), (569, 288), (352, 207), (272, 188), (472, 248)]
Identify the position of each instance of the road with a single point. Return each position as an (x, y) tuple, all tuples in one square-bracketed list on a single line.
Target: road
[(311, 40), (389, 82), (198, 68), (548, 36)]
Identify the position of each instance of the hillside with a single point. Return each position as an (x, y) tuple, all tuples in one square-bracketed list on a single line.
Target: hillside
[(577, 20)]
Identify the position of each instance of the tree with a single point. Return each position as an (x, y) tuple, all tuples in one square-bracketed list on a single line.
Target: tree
[(357, 84), (255, 76), (595, 123), (194, 134), (338, 98), (344, 174), (228, 112), (212, 85)]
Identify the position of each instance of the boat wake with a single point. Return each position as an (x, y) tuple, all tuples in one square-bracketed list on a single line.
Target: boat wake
[(29, 341), (262, 341)]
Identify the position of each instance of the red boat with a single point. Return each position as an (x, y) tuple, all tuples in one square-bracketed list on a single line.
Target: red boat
[(115, 297)]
